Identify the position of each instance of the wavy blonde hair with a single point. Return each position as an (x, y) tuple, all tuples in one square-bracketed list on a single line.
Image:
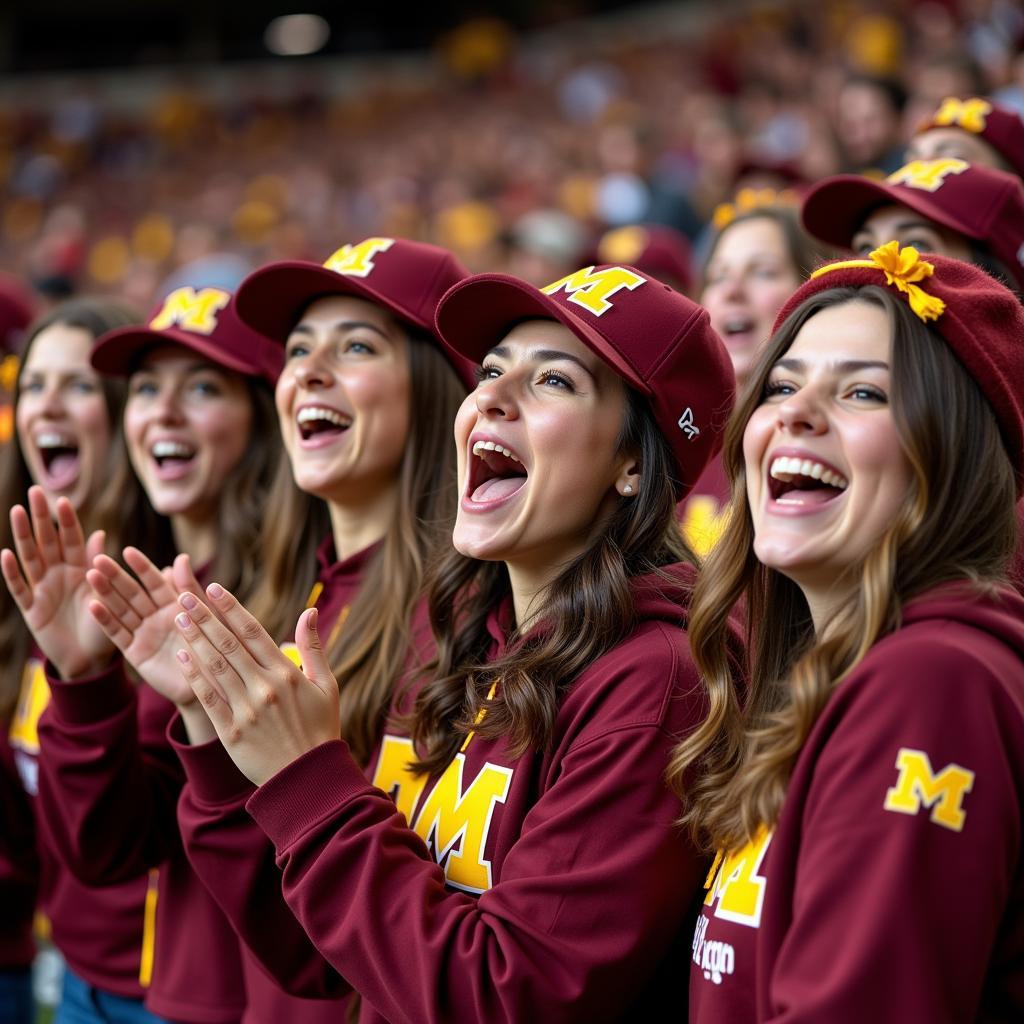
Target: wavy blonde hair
[(732, 773)]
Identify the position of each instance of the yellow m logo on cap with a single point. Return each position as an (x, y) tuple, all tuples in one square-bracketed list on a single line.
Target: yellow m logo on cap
[(918, 786), (927, 175), (357, 260), (967, 114), (192, 310), (592, 289)]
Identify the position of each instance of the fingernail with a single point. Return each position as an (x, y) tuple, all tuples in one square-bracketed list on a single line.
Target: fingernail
[(313, 616), (215, 590), (183, 657), (183, 620), (187, 601)]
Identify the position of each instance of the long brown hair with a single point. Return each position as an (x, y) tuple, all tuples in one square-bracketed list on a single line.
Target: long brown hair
[(135, 521), (588, 608), (733, 771), (376, 637)]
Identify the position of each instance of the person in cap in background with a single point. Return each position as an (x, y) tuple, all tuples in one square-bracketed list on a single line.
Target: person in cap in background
[(537, 739), (17, 309), (198, 423), (67, 445), (864, 789), (365, 404), (975, 130), (654, 249), (757, 257), (945, 206), (869, 123)]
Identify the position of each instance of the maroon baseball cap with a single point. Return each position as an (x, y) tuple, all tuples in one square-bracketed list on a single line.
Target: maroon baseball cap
[(1001, 128), (979, 202), (203, 320), (981, 320), (406, 278), (651, 248), (658, 341)]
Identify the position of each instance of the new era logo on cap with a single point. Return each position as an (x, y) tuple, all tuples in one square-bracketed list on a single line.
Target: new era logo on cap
[(592, 289), (191, 310), (357, 260)]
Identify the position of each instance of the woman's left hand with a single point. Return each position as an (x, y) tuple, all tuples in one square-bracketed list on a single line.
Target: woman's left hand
[(267, 712)]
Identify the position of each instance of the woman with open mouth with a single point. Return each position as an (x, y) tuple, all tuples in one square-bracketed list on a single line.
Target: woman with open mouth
[(365, 403), (198, 423), (509, 851), (67, 446), (864, 788)]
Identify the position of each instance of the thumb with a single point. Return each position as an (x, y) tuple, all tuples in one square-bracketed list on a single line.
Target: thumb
[(311, 651)]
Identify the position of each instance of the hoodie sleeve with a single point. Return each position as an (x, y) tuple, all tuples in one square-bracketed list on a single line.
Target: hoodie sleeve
[(108, 781), (898, 846), (235, 861), (19, 866), (594, 888)]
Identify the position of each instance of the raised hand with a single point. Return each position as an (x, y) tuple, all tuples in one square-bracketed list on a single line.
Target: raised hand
[(49, 584), (267, 712), (138, 616)]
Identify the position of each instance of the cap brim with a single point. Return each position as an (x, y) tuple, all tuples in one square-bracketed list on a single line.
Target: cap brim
[(476, 314), (272, 299), (835, 210), (118, 352)]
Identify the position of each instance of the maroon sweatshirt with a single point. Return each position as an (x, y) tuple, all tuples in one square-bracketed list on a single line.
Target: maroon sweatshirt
[(19, 864), (702, 513), (892, 887), (102, 933), (550, 886)]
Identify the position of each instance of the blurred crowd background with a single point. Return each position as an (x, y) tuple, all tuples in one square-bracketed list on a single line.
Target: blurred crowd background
[(514, 140)]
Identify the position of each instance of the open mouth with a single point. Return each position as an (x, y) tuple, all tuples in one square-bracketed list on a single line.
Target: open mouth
[(735, 326), (319, 421), (172, 457), (793, 481), (495, 472), (59, 455)]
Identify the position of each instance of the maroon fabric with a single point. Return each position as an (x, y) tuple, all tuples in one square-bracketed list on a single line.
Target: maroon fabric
[(655, 249), (19, 865), (17, 309), (565, 891), (99, 931), (979, 202), (203, 321), (406, 278), (983, 324), (858, 913), (660, 342), (1000, 127)]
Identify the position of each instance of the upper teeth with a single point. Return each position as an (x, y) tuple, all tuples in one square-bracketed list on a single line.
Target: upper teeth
[(491, 446), (311, 413), (163, 449), (784, 468), (53, 440), (737, 325)]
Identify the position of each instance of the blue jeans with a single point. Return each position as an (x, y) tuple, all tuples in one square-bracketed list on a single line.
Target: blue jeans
[(83, 1004), (16, 997)]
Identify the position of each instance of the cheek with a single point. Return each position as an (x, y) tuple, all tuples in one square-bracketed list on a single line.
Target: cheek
[(381, 401), (756, 437), (770, 296)]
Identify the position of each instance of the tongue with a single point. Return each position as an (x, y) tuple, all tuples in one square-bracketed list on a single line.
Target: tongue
[(63, 468), (811, 496), (497, 488)]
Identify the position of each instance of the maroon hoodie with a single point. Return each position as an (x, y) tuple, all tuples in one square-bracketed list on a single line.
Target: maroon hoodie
[(549, 886), (102, 933), (892, 887), (199, 973), (19, 864)]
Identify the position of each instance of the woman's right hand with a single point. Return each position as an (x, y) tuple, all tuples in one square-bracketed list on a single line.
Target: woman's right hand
[(138, 616), (47, 581)]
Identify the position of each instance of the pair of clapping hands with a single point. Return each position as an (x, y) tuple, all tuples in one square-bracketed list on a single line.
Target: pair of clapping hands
[(199, 650)]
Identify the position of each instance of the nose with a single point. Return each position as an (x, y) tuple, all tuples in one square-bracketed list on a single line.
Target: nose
[(167, 405), (52, 399), (802, 413), (494, 397), (312, 370)]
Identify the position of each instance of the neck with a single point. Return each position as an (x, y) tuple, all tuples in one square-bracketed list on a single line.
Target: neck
[(822, 601), (358, 524), (195, 537), (528, 587)]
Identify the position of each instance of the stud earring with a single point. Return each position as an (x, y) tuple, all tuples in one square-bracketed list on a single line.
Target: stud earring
[(628, 489)]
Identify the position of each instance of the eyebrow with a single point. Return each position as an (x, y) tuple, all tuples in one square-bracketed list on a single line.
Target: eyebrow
[(843, 366), (343, 325), (540, 355), (906, 225)]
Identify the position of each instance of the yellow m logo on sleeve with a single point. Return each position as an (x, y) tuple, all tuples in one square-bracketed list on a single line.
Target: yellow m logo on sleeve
[(592, 289), (919, 786), (452, 813), (927, 175), (192, 310), (357, 260), (967, 114)]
